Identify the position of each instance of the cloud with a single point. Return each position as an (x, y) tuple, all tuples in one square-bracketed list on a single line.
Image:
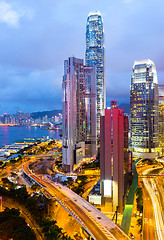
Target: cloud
[(12, 17), (8, 15)]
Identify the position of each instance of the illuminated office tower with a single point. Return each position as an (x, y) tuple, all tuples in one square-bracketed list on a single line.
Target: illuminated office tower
[(113, 138), (144, 109), (161, 118), (94, 55), (79, 112), (69, 120)]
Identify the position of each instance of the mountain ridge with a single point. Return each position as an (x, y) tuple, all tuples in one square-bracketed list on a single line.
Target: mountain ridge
[(43, 113)]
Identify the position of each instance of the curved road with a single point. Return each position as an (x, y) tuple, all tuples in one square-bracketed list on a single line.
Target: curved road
[(99, 226)]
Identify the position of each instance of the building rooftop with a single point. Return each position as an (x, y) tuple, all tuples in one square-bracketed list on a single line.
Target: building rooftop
[(140, 66), (142, 62), (94, 13)]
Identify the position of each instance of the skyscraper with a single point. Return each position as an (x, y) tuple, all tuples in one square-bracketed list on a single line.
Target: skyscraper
[(106, 159), (79, 112), (69, 120), (161, 118), (118, 158), (95, 56), (113, 161), (114, 157), (144, 109)]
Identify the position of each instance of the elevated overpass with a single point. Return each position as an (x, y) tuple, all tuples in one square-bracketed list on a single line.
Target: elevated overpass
[(93, 221)]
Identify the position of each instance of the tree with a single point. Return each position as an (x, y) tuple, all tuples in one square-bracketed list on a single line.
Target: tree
[(34, 187), (13, 174), (12, 161), (79, 190), (82, 180), (19, 158), (70, 181), (7, 183), (24, 233), (52, 231), (139, 223), (139, 199), (12, 225)]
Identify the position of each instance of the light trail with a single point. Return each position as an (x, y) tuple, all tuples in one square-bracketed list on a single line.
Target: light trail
[(151, 188)]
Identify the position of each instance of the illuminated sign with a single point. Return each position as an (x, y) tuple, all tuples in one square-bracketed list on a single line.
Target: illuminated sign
[(107, 188)]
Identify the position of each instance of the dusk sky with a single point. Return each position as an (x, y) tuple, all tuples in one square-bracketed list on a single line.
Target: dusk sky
[(37, 36)]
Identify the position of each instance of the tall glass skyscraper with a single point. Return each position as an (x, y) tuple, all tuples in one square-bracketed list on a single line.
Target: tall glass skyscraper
[(95, 56), (79, 112), (144, 108)]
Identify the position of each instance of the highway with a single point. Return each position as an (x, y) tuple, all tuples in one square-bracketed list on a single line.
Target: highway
[(153, 214), (96, 223), (149, 228)]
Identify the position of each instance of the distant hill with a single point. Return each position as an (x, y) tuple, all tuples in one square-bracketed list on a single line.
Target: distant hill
[(48, 113), (125, 107)]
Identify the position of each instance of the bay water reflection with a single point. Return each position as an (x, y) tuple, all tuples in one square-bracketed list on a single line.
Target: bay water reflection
[(9, 135)]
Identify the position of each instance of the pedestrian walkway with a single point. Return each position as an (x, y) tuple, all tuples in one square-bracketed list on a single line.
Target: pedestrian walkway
[(126, 220)]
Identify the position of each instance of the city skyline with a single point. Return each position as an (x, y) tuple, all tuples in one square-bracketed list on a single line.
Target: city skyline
[(36, 40)]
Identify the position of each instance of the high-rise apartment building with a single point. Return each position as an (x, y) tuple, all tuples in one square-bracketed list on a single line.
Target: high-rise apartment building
[(106, 159), (79, 112), (95, 56), (113, 160), (144, 109), (161, 119)]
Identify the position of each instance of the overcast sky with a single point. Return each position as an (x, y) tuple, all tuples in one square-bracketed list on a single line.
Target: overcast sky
[(36, 36)]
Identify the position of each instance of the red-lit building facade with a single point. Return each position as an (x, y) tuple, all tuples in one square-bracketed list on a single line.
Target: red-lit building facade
[(114, 157)]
